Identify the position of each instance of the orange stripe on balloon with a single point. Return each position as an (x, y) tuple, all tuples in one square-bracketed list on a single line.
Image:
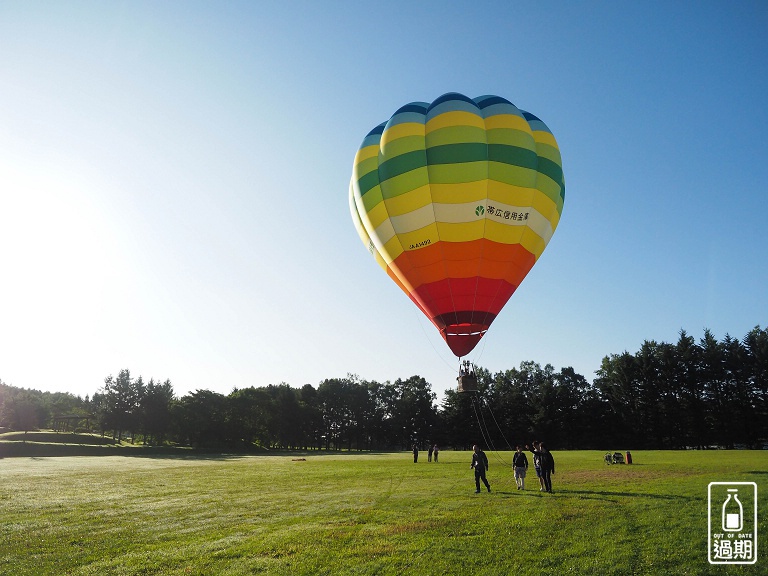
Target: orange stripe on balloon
[(484, 258)]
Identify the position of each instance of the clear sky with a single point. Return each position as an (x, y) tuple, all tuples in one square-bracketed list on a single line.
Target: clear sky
[(174, 180)]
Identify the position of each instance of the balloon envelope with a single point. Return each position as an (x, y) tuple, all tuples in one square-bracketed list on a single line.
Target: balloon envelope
[(456, 200)]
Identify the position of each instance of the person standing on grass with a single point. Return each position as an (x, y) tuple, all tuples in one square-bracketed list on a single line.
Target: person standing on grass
[(480, 464), (429, 455), (415, 453), (520, 467), (436, 450), (536, 462), (546, 466)]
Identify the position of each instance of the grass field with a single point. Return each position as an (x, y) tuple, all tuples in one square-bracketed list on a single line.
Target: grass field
[(365, 514)]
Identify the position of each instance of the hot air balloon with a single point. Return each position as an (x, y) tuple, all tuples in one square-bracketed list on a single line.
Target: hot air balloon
[(456, 200)]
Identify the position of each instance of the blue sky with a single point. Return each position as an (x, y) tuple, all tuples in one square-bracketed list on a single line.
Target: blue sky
[(174, 179)]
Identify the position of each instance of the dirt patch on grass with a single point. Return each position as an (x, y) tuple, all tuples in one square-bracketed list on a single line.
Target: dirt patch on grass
[(611, 475)]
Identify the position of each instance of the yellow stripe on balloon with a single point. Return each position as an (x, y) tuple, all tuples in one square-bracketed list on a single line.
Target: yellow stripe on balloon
[(462, 232), (378, 214), (391, 250), (507, 121), (459, 193), (542, 137), (509, 193), (366, 153), (409, 201), (454, 118), (504, 234), (519, 138), (401, 131)]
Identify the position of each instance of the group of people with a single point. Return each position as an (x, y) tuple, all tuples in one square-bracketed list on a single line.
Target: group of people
[(543, 463), (466, 369), (433, 451)]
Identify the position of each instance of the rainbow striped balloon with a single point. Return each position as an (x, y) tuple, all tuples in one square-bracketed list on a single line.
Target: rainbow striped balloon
[(456, 200)]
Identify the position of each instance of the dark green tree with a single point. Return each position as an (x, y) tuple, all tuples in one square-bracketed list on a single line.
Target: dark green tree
[(413, 412), (311, 417), (755, 359), (200, 419), (333, 395), (119, 402), (156, 411)]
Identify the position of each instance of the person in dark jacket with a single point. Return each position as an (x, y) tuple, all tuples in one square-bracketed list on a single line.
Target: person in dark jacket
[(415, 454), (480, 464), (547, 463), (520, 467), (536, 462)]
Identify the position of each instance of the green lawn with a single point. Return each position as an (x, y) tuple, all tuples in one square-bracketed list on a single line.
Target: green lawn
[(365, 514)]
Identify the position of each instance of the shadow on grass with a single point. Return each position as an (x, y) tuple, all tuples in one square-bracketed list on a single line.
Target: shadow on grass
[(610, 495), (601, 494), (203, 454), (37, 451), (16, 449)]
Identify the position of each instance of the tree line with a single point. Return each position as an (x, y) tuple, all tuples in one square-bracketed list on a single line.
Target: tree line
[(686, 394)]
